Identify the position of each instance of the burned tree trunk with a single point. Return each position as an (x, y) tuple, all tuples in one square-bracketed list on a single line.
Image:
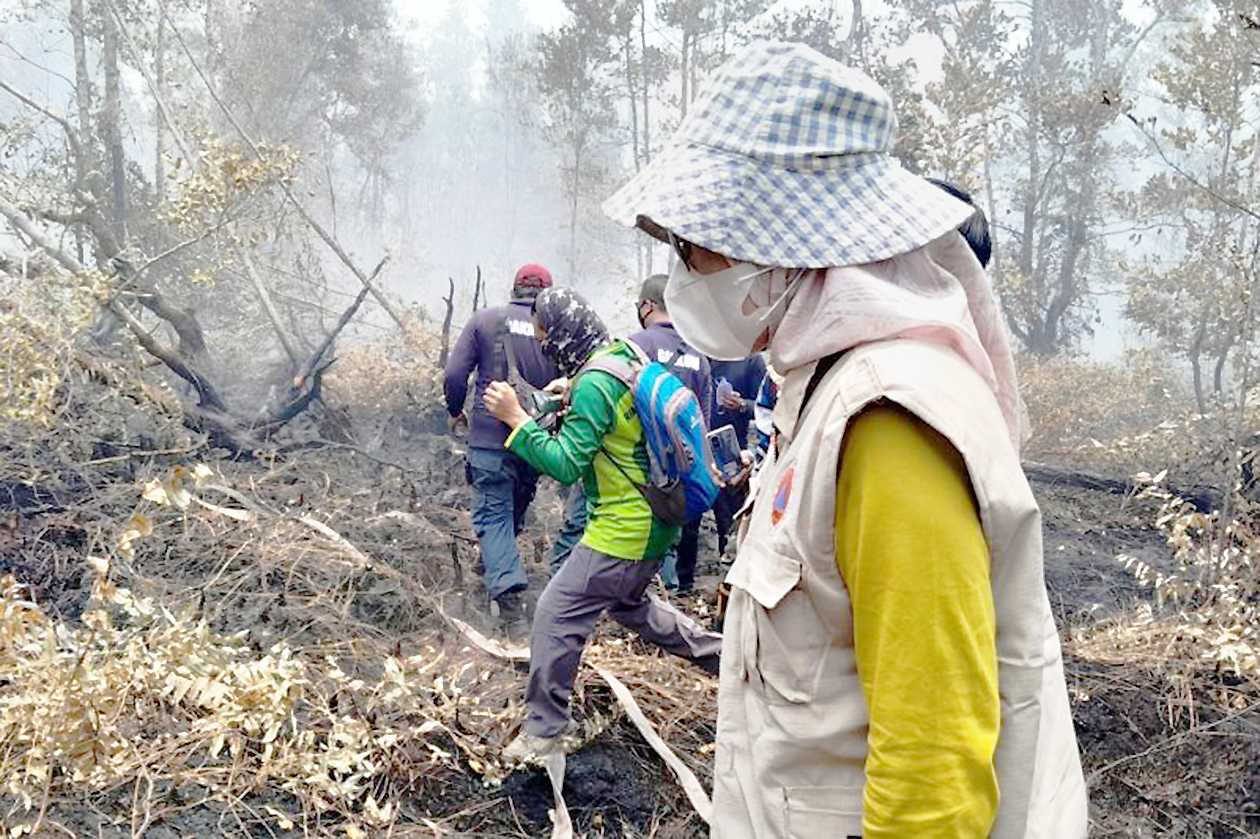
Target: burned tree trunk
[(479, 293), (210, 413), (445, 353), (111, 129)]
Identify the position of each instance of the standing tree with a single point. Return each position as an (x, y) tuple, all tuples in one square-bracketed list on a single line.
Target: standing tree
[(1024, 112), (1194, 293), (579, 93), (869, 43)]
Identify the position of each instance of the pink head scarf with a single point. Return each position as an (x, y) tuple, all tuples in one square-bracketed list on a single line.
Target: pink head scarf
[(937, 293)]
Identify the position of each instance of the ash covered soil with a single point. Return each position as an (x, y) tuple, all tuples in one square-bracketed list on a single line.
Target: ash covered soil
[(1165, 754)]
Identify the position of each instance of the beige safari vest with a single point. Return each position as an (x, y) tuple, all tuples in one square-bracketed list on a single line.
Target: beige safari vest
[(792, 719)]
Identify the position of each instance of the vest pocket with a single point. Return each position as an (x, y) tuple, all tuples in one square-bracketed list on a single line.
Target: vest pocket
[(788, 641), (815, 812)]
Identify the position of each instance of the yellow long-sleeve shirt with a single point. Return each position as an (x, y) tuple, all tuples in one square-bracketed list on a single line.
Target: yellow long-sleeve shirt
[(912, 553)]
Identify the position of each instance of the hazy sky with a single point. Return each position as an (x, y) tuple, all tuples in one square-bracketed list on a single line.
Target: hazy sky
[(1111, 336), (545, 13), (542, 13), (1113, 333)]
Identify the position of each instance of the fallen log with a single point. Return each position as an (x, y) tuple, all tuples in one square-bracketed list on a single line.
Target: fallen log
[(1204, 498)]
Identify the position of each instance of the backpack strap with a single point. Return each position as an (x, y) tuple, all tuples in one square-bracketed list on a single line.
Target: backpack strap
[(638, 351), (666, 503), (619, 368), (514, 369), (505, 350)]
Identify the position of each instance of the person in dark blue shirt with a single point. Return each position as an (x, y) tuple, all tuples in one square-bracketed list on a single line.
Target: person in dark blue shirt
[(735, 386), (503, 484), (662, 343)]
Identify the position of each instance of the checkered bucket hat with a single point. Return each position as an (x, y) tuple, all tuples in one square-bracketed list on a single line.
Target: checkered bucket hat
[(785, 159)]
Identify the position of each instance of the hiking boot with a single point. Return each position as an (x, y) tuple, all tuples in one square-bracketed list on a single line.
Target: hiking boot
[(532, 748), (512, 614)]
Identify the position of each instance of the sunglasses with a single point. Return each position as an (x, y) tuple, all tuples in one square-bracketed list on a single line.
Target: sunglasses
[(682, 249)]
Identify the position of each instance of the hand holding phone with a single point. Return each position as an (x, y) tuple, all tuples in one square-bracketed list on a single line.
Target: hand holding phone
[(726, 452), (543, 403)]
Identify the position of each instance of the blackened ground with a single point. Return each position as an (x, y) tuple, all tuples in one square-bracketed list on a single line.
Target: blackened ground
[(1155, 769), (1150, 777), (1163, 755)]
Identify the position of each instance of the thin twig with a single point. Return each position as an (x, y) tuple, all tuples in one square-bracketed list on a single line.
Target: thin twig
[(1192, 179), (71, 137), (1168, 743)]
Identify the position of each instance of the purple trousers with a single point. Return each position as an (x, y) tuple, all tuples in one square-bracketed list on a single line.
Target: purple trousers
[(587, 585)]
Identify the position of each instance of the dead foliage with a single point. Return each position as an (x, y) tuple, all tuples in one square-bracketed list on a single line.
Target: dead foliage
[(1167, 693), (268, 638)]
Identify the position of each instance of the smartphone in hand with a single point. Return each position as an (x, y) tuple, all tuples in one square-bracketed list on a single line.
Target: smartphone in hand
[(726, 452), (542, 403)]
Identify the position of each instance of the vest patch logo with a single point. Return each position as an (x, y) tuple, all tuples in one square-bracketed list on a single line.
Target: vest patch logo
[(778, 509), (524, 328), (684, 361)]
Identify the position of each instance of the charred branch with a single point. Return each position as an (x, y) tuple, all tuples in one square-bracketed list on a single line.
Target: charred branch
[(449, 300), (479, 292), (210, 414), (208, 396), (315, 363), (1204, 499)]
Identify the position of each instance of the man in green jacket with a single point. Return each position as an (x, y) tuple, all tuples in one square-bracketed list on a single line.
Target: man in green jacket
[(600, 443)]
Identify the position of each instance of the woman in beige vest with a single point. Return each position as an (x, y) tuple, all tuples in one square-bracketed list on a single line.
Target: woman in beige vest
[(890, 665)]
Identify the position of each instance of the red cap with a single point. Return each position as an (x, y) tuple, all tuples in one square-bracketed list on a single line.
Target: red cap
[(532, 275)]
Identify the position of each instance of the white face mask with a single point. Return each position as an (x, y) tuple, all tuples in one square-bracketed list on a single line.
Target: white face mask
[(723, 314)]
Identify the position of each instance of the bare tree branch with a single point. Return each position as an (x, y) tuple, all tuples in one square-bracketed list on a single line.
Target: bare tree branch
[(307, 385), (43, 68), (268, 304), (22, 222), (323, 234), (1192, 179), (72, 136), (183, 322), (445, 353), (184, 245), (207, 394), (313, 364)]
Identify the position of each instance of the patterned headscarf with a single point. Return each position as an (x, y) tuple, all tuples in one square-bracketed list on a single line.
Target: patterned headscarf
[(574, 330)]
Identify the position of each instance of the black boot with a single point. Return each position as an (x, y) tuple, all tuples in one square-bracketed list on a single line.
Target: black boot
[(512, 614)]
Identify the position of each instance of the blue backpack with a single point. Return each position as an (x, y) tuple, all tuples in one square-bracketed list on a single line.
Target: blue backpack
[(681, 466)]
